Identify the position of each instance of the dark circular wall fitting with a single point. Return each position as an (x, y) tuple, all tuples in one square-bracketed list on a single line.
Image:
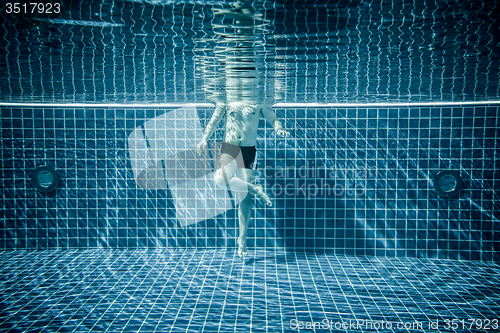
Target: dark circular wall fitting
[(448, 183), (45, 178)]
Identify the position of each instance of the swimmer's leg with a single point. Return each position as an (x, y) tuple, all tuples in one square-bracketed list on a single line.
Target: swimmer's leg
[(224, 178), (245, 210)]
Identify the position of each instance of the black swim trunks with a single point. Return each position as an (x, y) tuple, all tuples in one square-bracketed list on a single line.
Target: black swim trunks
[(244, 156)]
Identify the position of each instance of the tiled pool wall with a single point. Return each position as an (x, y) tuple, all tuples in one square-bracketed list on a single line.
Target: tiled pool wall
[(352, 180)]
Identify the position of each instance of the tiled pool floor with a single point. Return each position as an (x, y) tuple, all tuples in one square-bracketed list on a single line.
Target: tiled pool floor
[(215, 291)]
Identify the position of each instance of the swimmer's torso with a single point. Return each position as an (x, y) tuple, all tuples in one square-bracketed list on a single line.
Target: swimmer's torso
[(242, 122)]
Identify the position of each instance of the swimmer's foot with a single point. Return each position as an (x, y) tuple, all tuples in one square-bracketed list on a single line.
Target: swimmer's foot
[(242, 248), (259, 191)]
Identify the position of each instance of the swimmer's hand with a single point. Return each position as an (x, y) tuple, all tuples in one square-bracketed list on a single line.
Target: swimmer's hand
[(281, 132), (201, 146)]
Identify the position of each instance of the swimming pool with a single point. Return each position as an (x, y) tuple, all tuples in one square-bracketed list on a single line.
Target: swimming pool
[(379, 97)]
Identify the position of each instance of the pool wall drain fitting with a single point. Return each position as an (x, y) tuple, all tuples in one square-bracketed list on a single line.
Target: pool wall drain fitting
[(45, 178), (448, 183)]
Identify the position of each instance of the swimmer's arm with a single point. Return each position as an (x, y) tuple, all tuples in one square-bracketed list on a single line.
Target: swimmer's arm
[(273, 120), (220, 111)]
